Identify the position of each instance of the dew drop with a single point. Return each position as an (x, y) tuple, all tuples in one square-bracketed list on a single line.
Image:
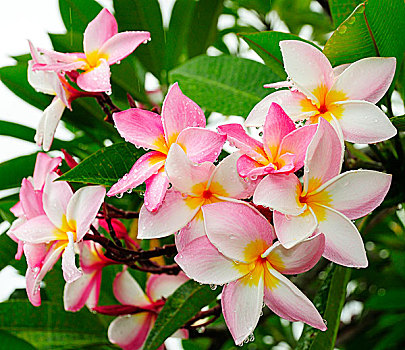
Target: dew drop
[(129, 190), (251, 338), (201, 330), (213, 286), (119, 195), (108, 92)]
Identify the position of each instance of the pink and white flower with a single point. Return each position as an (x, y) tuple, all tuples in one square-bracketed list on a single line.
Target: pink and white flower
[(327, 202), (239, 251), (182, 122), (50, 83), (67, 218), (103, 47), (86, 289), (283, 148), (193, 186), (344, 96), (139, 310)]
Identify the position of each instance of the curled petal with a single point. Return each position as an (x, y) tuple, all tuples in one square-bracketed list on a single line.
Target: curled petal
[(194, 229), (77, 293), (70, 271), (43, 166), (156, 188), (127, 290), (96, 79), (163, 286)]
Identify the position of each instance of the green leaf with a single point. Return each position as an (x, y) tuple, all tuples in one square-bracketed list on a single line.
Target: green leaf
[(78, 13), (106, 166), (399, 122), (393, 299), (8, 249), (182, 305), (144, 15), (329, 301), (13, 171), (341, 9), (177, 34), (50, 326), (266, 45), (220, 83), (366, 33), (15, 78), (203, 34), (9, 341)]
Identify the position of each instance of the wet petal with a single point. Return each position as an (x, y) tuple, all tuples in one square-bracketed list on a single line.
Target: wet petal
[(156, 188), (96, 79), (127, 290), (163, 286)]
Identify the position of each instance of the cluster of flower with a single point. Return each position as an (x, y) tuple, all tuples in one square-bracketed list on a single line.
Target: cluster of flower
[(222, 237)]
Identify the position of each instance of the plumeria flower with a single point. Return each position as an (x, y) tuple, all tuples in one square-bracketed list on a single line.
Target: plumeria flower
[(182, 122), (193, 186), (86, 289), (66, 220), (103, 47), (327, 202), (345, 96), (283, 148), (30, 204), (50, 83), (139, 310), (239, 251)]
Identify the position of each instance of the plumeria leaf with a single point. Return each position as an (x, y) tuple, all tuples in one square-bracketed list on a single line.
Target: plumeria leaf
[(106, 166), (9, 341), (13, 171), (220, 85), (76, 14), (144, 15), (8, 249), (182, 305), (15, 78), (266, 45), (393, 299), (177, 34), (365, 33), (203, 35), (329, 301), (52, 327), (399, 122), (340, 10)]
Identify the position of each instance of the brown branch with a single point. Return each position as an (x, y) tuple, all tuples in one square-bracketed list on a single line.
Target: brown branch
[(109, 108), (116, 213), (110, 226), (173, 269), (215, 312)]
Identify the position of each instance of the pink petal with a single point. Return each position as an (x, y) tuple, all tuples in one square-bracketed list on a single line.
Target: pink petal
[(297, 143), (280, 192), (174, 214), (186, 176), (367, 79), (343, 245), (128, 292), (237, 230), (226, 182), (307, 67), (34, 276), (98, 31), (37, 230), (67, 63), (43, 166), (277, 125), (340, 69), (298, 259), (238, 137), (156, 188), (193, 230), (294, 104), (96, 79), (17, 209), (122, 44), (363, 122), (178, 113), (163, 286), (201, 145), (31, 200), (201, 261), (83, 208), (48, 123), (77, 293), (131, 124), (247, 167), (323, 159), (288, 302), (241, 306), (293, 229), (91, 258), (56, 197), (130, 332), (35, 253), (369, 186), (146, 166)]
